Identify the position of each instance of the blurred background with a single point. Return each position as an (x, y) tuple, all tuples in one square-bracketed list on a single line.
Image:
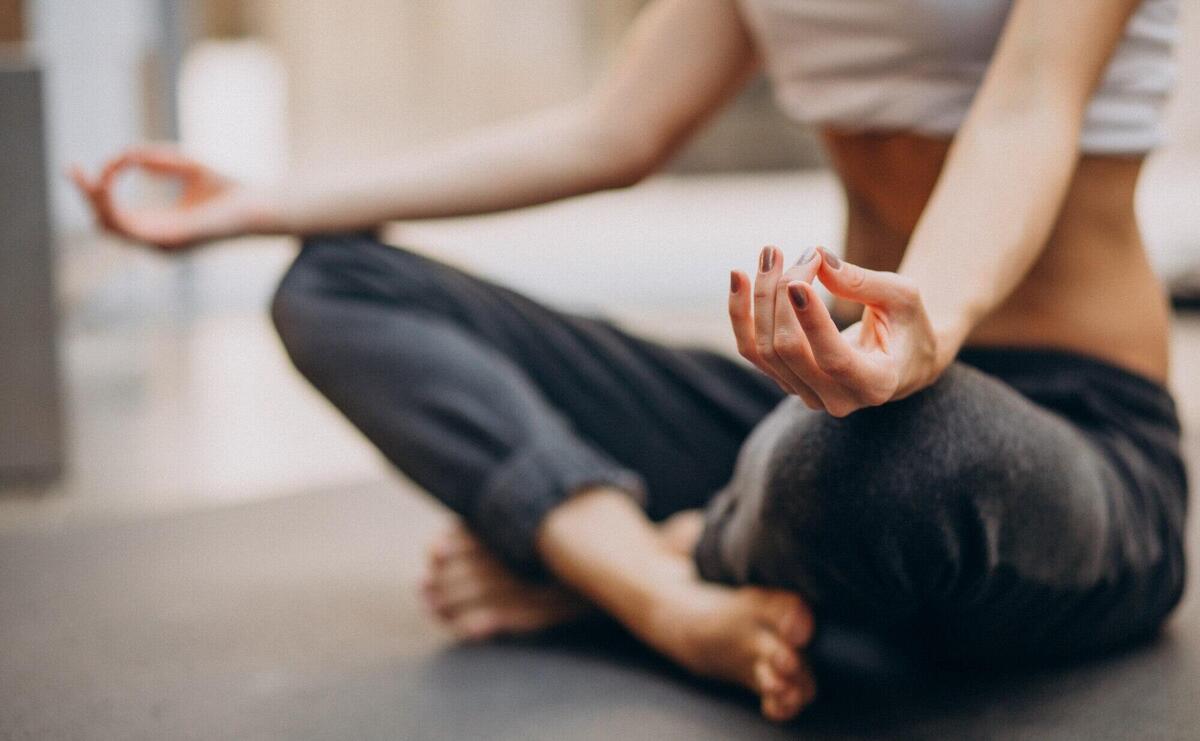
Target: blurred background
[(149, 383), (135, 387), (171, 389), (174, 390)]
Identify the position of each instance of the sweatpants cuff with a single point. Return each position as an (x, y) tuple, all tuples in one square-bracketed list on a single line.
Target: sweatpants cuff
[(534, 481), (710, 562)]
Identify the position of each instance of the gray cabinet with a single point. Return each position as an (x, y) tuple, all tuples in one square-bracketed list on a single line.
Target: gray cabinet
[(30, 408)]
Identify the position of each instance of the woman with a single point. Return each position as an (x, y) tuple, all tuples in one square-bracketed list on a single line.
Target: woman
[(1023, 502)]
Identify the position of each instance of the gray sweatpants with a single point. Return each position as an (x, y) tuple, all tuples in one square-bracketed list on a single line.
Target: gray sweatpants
[(1029, 505)]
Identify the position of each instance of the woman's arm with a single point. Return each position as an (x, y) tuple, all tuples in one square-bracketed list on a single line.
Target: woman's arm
[(681, 61), (987, 221), (1011, 163)]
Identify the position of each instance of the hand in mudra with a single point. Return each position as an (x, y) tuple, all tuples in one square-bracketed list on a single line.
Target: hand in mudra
[(209, 206), (783, 327)]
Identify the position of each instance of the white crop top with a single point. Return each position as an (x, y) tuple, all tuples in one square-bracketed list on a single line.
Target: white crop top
[(916, 64)]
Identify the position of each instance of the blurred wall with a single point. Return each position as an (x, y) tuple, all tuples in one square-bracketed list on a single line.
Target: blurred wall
[(377, 76), (1183, 112), (370, 77), (96, 57)]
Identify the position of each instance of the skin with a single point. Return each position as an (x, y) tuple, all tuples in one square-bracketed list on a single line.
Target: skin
[(1003, 236)]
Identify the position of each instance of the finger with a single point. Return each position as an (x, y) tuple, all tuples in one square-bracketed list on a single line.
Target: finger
[(96, 197), (106, 204), (161, 160), (80, 178), (87, 187), (872, 287), (765, 282), (861, 377), (763, 320), (102, 191), (804, 269), (793, 352), (741, 317), (112, 169), (133, 158), (790, 344)]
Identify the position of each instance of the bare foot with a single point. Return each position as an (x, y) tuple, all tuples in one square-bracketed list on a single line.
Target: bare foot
[(477, 597), (750, 636), (472, 592)]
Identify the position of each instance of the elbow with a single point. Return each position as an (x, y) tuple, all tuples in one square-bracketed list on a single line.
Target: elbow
[(623, 156), (629, 174)]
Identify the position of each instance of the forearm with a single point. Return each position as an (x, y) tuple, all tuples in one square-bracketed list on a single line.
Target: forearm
[(554, 154), (1008, 171), (990, 216)]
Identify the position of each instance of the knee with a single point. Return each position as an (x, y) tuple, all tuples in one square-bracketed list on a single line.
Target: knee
[(900, 470), (300, 308), (964, 464), (337, 286)]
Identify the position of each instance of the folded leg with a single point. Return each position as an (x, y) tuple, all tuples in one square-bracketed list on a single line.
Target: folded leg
[(987, 524), (499, 406)]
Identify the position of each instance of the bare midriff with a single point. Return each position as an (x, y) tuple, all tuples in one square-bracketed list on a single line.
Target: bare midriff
[(1091, 291)]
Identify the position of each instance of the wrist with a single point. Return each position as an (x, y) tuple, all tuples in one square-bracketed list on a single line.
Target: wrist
[(949, 332), (935, 346), (260, 211)]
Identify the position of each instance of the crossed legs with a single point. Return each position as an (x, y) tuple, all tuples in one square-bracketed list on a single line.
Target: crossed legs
[(966, 513), (557, 439)]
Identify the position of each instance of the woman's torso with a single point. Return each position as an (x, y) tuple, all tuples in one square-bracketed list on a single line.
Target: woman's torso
[(914, 65), (861, 68), (1092, 290)]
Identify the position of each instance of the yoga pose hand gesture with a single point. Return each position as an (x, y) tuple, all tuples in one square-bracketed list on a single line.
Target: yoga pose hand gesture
[(786, 331), (210, 206)]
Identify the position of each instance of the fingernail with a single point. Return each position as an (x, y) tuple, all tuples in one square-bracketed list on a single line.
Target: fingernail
[(807, 257), (733, 282), (796, 293), (766, 260), (831, 259)]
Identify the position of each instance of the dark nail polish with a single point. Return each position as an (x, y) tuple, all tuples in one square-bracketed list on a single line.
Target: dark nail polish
[(733, 282), (766, 260), (807, 257), (796, 293), (831, 259)]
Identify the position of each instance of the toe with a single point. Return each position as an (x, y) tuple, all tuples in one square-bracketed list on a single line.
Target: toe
[(767, 681), (785, 661), (475, 625), (452, 543), (789, 703), (451, 548), (774, 710), (792, 618), (782, 677), (463, 592), (770, 707)]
